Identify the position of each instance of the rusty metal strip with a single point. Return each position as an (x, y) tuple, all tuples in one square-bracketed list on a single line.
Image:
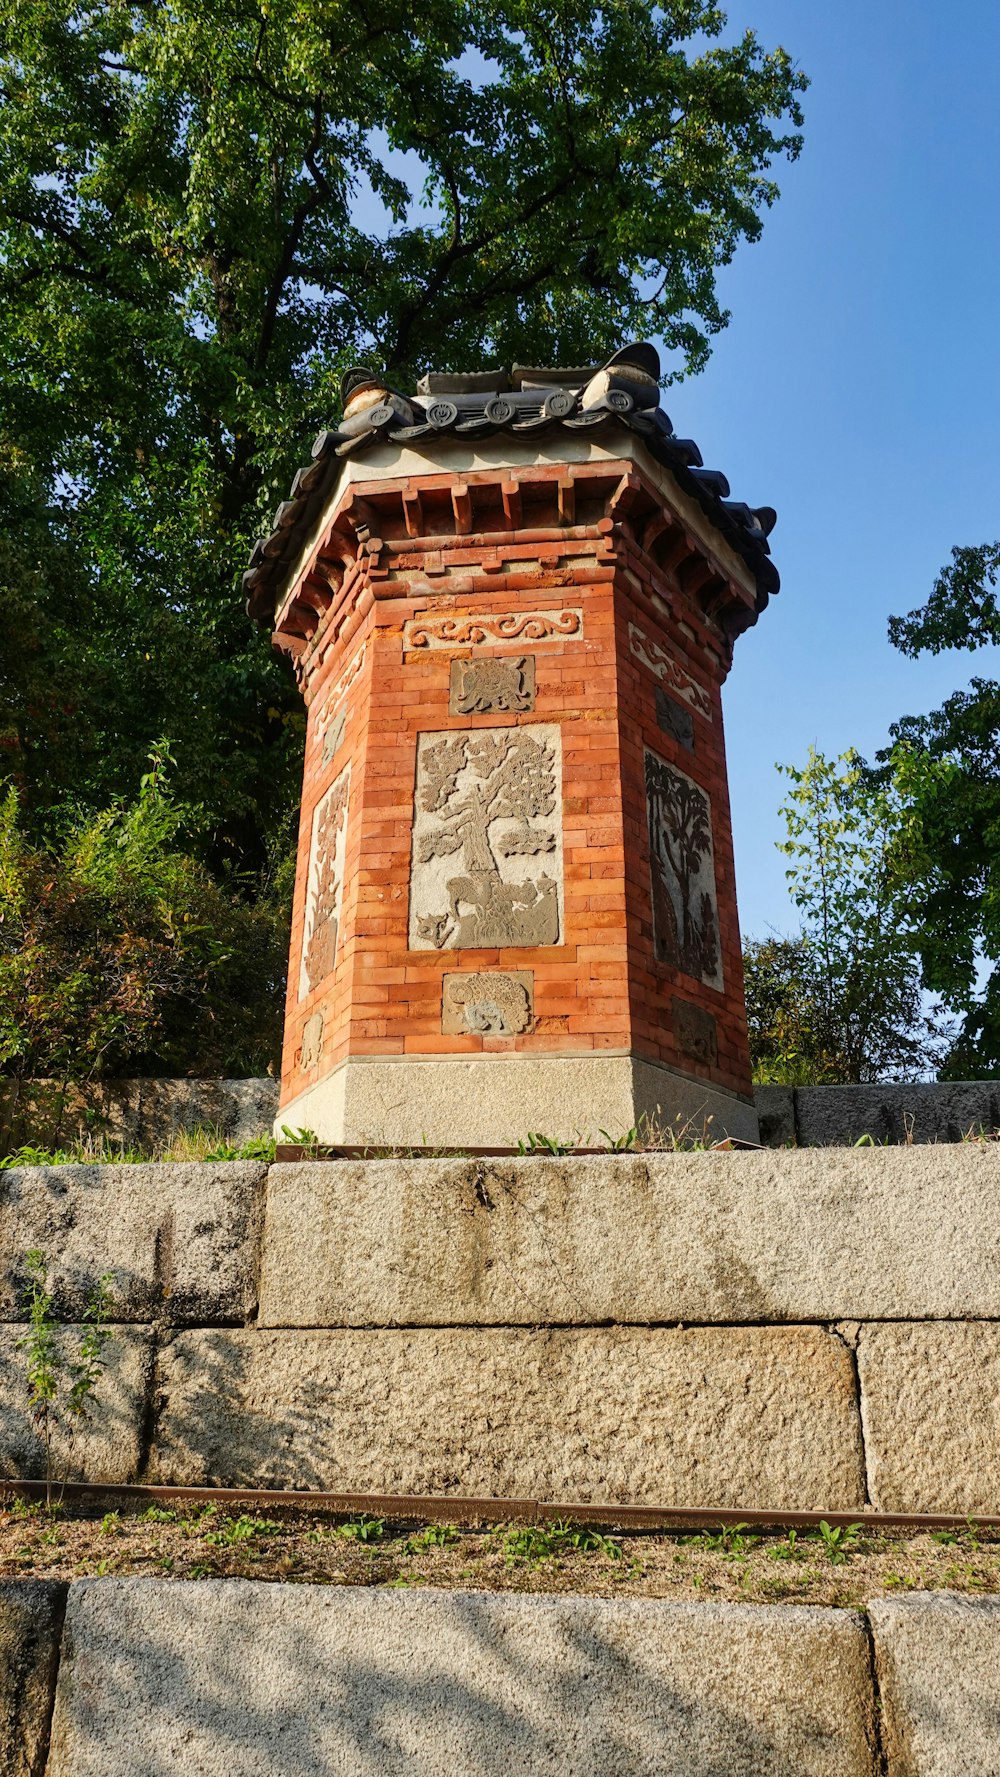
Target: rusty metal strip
[(461, 1509)]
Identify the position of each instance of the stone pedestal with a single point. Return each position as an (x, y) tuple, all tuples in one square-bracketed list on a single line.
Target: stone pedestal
[(511, 604)]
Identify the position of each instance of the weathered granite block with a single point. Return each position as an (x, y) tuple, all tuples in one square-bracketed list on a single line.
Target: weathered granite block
[(930, 1403), (711, 1416), (938, 1662), (239, 1679), (109, 1447), (775, 1115), (941, 1111), (31, 1613), (182, 1241), (798, 1236)]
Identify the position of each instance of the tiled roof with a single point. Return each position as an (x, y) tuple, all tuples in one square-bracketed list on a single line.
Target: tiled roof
[(523, 403)]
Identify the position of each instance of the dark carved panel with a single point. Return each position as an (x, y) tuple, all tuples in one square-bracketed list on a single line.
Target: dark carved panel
[(673, 718), (695, 1031), (682, 873)]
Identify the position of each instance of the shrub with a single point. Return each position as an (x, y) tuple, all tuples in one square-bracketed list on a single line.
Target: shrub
[(120, 953)]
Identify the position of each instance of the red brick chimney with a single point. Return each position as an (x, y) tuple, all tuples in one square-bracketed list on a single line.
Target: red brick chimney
[(511, 602)]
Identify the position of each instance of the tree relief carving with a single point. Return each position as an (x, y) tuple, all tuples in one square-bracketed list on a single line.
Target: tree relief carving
[(325, 890), (682, 871), (486, 871)]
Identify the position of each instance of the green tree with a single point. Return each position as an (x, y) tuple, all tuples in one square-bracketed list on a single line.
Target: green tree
[(841, 1001), (956, 895), (207, 210)]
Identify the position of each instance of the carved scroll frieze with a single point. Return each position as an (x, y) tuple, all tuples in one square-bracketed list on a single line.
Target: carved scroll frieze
[(487, 840), (669, 671), (487, 1004), (682, 870), (492, 630), (325, 887), (334, 697), (484, 687)]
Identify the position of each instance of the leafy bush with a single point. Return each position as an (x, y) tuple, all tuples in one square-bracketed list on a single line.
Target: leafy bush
[(120, 953)]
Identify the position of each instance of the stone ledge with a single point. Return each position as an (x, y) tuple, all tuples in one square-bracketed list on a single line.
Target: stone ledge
[(240, 1679), (872, 1234), (182, 1241), (735, 1416), (31, 1614), (938, 1664)]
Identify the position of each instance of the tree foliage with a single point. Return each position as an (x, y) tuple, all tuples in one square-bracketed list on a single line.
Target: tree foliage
[(957, 804), (207, 211), (841, 1002)]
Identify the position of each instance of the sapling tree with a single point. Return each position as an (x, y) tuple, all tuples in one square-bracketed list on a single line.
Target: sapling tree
[(62, 1390), (842, 1001)]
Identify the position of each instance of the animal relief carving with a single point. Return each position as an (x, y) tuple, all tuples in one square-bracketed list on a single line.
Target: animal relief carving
[(487, 840), (682, 869), (482, 687), (487, 1004), (326, 885), (696, 1033)]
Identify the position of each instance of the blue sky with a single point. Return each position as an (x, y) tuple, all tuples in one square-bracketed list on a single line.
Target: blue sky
[(857, 387)]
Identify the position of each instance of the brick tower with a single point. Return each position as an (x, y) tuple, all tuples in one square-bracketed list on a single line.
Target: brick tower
[(511, 602)]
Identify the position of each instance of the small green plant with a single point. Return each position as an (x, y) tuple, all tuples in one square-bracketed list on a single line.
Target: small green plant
[(622, 1144), (241, 1530), (729, 1542), (301, 1138), (546, 1542), (363, 1530), (111, 1524), (156, 1515), (839, 1541), (436, 1536), (50, 1400), (536, 1143), (788, 1550)]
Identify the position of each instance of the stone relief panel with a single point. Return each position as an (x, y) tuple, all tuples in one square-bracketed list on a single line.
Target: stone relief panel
[(334, 699), (674, 719), (485, 687), (487, 1004), (492, 630), (696, 1032), (312, 1042), (333, 739), (325, 890), (486, 871), (682, 869), (670, 673)]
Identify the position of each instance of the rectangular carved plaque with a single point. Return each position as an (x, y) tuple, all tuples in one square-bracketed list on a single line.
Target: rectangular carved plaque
[(490, 629), (682, 871), (491, 686), (486, 870), (325, 890), (695, 1031), (673, 718), (487, 1003)]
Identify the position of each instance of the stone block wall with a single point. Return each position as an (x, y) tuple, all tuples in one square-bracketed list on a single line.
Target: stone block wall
[(234, 1678), (811, 1329)]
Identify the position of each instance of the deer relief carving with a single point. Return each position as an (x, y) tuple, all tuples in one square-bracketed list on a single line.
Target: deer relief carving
[(487, 842)]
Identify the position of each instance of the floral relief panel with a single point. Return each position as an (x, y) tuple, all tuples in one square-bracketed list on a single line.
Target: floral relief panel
[(682, 871), (486, 870), (325, 890)]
